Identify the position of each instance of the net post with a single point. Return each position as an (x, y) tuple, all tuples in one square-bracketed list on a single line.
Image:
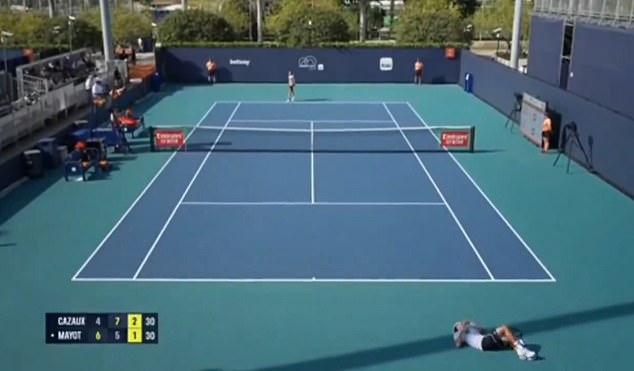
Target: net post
[(472, 141), (151, 135)]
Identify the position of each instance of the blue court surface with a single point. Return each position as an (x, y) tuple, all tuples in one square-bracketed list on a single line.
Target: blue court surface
[(325, 191)]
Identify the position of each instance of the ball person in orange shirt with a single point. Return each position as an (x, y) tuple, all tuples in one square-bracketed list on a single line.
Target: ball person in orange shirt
[(418, 72), (211, 71), (547, 130)]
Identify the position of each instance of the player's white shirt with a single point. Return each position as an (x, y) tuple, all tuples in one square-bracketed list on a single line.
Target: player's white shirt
[(472, 337), (291, 80)]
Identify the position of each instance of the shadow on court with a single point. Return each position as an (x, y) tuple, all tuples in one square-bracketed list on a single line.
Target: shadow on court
[(26, 193), (440, 344)]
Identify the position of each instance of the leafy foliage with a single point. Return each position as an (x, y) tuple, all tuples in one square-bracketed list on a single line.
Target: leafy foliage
[(500, 15), (467, 7), (298, 25), (32, 28), (341, 45), (236, 12), (436, 21), (127, 26), (195, 26), (374, 15)]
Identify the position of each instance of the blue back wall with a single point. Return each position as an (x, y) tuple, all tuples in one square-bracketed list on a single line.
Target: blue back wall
[(544, 50), (601, 66), (187, 65), (606, 135)]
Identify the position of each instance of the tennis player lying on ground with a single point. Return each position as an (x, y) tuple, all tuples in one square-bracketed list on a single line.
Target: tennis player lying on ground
[(501, 338)]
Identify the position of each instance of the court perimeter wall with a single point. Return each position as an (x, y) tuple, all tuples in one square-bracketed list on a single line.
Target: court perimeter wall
[(606, 135), (324, 65)]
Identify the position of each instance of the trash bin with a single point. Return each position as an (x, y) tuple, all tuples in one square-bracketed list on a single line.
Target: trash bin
[(468, 83), (34, 163), (48, 146)]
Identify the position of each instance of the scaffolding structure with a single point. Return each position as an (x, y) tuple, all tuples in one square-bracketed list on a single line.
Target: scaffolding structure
[(614, 13)]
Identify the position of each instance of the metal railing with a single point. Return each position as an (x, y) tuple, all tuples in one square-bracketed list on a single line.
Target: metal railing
[(617, 13), (30, 113), (27, 69)]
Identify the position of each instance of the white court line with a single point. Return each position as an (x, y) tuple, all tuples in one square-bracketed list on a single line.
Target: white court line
[(391, 128), (312, 203), (191, 182), (316, 280), (442, 197), (239, 121), (308, 102), (143, 192), (508, 224), (312, 162)]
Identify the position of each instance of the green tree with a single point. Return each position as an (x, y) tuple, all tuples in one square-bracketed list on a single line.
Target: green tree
[(296, 24), (236, 12), (127, 26), (499, 14), (467, 7), (287, 12), (195, 26), (374, 15), (430, 21), (33, 28), (82, 33)]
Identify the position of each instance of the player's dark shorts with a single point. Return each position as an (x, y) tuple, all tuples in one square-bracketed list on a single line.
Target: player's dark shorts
[(492, 342), (211, 73), (418, 72), (546, 134)]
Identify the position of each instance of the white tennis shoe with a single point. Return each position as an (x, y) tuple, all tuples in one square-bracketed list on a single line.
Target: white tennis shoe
[(525, 354)]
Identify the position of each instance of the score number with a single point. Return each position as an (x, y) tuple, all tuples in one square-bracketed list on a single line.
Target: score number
[(90, 328), (149, 333), (142, 328)]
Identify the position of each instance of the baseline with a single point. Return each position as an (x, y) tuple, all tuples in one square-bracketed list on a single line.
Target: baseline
[(320, 203), (304, 280), (284, 102)]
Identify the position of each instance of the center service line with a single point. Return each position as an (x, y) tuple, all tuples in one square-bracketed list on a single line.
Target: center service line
[(312, 162)]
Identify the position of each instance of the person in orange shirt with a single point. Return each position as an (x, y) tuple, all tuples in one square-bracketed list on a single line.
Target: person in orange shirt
[(547, 130), (211, 71), (418, 72)]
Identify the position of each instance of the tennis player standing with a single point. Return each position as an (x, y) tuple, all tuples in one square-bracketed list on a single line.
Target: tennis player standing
[(291, 86)]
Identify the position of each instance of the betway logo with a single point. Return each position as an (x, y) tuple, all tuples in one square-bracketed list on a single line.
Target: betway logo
[(239, 62)]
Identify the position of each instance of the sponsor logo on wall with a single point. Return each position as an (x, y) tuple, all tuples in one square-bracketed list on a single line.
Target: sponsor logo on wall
[(239, 62), (386, 64), (309, 63)]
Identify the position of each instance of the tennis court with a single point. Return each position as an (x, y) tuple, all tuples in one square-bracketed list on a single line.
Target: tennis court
[(349, 185), (356, 190)]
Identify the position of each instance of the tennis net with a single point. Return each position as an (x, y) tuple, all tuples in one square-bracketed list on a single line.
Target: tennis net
[(325, 140)]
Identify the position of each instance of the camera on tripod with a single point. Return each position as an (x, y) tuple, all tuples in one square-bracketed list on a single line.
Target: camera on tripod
[(572, 141), (516, 111)]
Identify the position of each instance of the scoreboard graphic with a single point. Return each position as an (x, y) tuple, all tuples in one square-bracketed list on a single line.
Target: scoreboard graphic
[(106, 328)]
